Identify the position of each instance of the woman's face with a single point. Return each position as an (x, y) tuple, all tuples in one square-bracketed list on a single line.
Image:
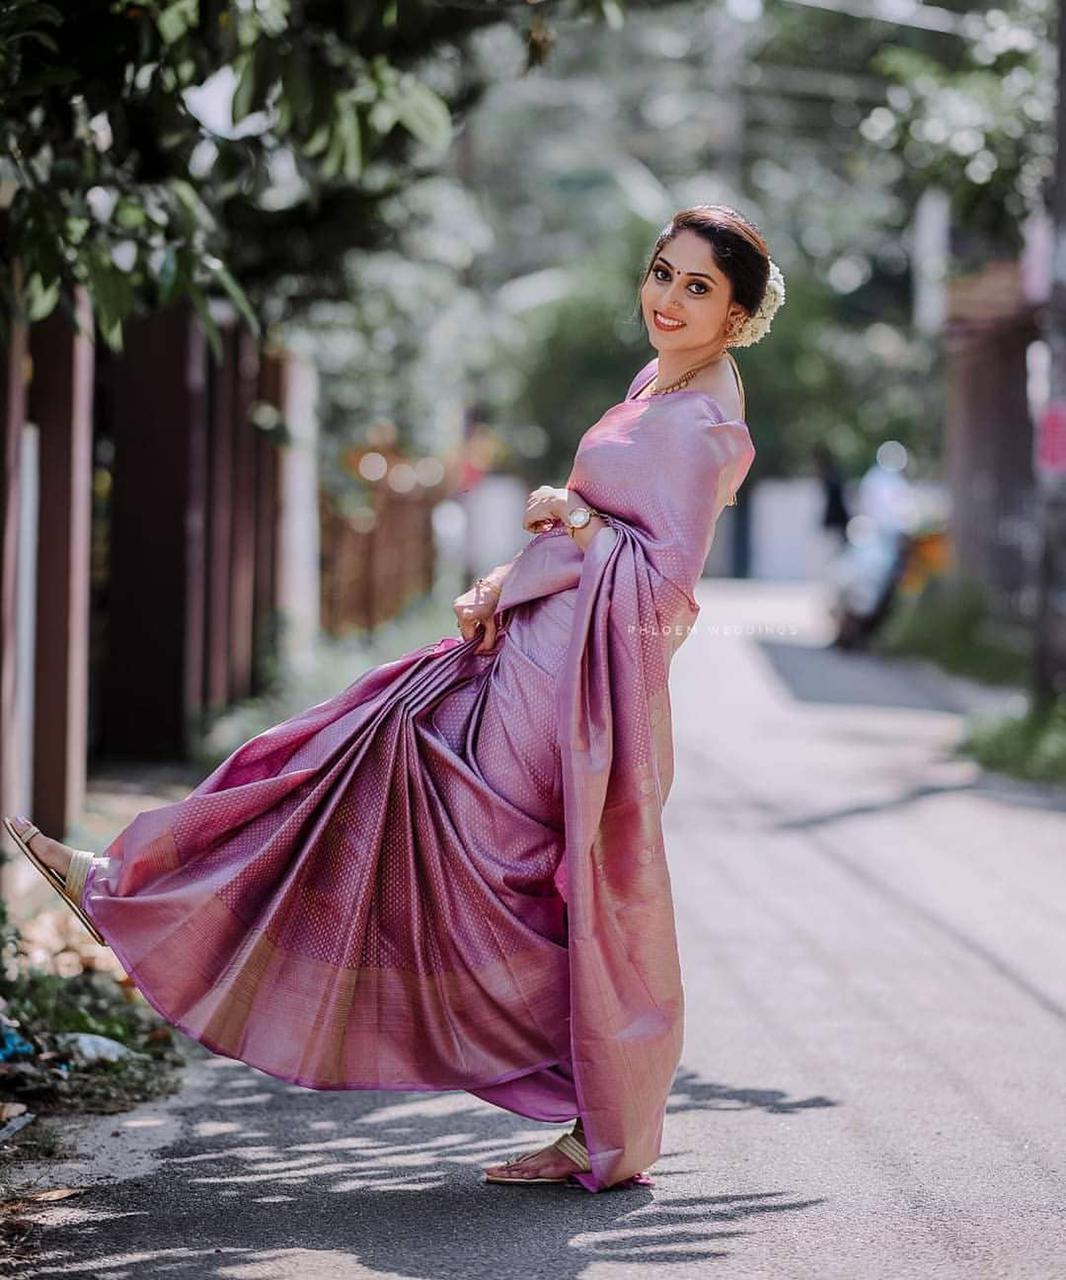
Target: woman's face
[(685, 284)]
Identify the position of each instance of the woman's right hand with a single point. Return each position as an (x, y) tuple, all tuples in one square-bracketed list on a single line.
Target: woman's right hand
[(476, 610)]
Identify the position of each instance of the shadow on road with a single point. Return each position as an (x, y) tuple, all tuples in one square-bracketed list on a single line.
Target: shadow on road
[(271, 1180), (691, 1093), (822, 674)]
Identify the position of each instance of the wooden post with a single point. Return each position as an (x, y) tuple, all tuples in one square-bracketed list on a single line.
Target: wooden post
[(13, 379), (222, 381), (153, 669), (989, 433), (61, 404), (242, 551), (272, 389), (1049, 667)]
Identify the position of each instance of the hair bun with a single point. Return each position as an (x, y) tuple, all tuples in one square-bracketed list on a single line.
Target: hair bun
[(757, 326)]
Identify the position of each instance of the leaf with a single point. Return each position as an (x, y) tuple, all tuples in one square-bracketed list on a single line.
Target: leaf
[(296, 84), (110, 329), (214, 338), (178, 19), (129, 215), (318, 141), (76, 229), (190, 200), (244, 94), (258, 75), (383, 115), (331, 162), (55, 1193), (41, 299), (168, 275), (42, 37), (424, 113), (239, 298), (352, 143), (112, 296), (613, 13), (42, 13)]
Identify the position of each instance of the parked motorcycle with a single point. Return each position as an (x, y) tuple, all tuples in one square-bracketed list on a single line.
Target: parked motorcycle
[(873, 569)]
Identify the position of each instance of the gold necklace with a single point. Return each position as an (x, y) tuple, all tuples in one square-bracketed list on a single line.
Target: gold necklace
[(684, 379)]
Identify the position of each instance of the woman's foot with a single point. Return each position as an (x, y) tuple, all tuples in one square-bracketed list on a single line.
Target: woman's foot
[(66, 869), (548, 1162), (51, 852)]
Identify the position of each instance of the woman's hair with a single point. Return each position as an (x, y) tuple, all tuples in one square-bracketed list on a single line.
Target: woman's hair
[(739, 248)]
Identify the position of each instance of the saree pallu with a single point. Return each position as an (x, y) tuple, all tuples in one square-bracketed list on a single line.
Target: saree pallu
[(451, 875)]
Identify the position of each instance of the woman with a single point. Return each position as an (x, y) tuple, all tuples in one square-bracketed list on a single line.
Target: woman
[(451, 875)]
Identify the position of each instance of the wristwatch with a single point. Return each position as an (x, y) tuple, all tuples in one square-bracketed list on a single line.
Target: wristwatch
[(577, 518)]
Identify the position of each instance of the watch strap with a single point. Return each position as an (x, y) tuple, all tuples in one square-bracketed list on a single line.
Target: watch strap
[(572, 529)]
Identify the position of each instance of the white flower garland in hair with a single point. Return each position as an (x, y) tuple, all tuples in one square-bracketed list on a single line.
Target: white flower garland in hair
[(757, 326)]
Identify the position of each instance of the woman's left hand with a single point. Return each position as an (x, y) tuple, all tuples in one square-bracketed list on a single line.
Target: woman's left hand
[(544, 507)]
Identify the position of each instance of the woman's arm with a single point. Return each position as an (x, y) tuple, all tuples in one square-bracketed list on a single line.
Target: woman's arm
[(498, 575), (584, 536), (568, 500)]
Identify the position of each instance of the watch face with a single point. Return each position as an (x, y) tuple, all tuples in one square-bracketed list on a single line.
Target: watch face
[(580, 517)]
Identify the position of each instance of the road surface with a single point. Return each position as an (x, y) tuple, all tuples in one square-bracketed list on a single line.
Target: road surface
[(874, 1077)]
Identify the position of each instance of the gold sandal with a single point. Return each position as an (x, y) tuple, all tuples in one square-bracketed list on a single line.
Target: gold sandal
[(70, 886), (567, 1145)]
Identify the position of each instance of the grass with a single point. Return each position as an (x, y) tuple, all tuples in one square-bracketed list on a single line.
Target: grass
[(1031, 746), (949, 622), (41, 1005)]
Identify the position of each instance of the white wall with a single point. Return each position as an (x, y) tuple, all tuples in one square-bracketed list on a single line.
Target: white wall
[(787, 540)]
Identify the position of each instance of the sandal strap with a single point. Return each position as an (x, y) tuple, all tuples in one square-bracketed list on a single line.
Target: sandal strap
[(80, 862), (575, 1150)]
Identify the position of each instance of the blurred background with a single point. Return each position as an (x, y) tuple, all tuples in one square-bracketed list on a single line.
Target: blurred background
[(301, 298)]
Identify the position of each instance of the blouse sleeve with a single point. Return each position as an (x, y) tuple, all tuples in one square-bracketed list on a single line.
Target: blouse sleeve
[(667, 480), (641, 377)]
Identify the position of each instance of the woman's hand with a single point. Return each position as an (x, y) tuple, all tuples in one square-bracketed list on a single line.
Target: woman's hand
[(476, 610), (544, 507)]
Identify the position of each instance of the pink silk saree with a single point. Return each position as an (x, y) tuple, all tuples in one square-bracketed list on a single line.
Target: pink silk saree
[(452, 875)]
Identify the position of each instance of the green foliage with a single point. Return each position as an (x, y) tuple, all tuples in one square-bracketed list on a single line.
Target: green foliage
[(94, 144), (949, 622), (982, 127), (43, 1004), (120, 176), (87, 1001), (1031, 746)]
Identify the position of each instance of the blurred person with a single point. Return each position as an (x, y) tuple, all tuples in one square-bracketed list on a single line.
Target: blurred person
[(863, 578), (835, 514), (867, 571), (452, 875), (830, 536), (885, 494)]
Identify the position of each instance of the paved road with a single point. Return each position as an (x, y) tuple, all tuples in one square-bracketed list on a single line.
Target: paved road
[(874, 1077)]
